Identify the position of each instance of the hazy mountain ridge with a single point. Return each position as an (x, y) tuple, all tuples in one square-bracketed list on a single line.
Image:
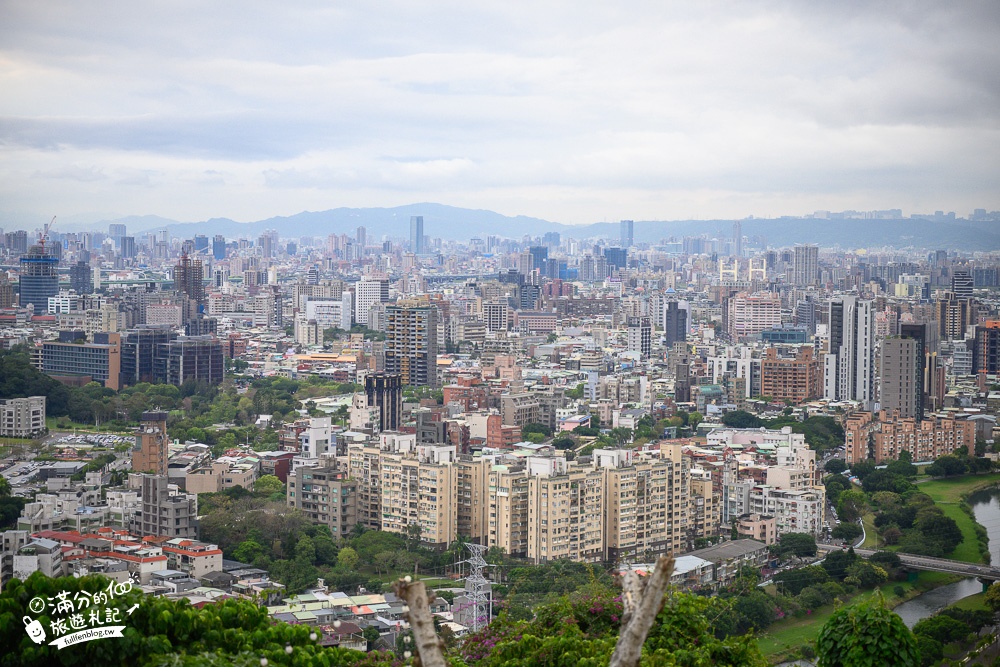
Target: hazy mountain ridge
[(452, 222)]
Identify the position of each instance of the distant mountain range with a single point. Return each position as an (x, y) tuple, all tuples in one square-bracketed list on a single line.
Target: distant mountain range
[(462, 224)]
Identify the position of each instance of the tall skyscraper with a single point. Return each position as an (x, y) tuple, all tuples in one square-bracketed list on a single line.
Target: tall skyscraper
[(539, 254), (738, 238), (417, 234), (805, 266), (362, 239), (385, 390), (901, 383), (219, 247), (674, 323), (126, 245), (367, 293), (189, 279), (411, 343), (617, 257), (954, 315), (961, 284), (986, 351), (849, 366), (39, 279), (81, 278), (116, 231), (627, 233)]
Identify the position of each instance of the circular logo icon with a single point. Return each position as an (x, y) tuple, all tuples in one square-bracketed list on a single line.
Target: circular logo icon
[(37, 605)]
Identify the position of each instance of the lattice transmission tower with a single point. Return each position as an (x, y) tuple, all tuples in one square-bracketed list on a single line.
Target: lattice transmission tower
[(479, 589)]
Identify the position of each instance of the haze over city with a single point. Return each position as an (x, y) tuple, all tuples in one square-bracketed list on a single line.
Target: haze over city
[(648, 111)]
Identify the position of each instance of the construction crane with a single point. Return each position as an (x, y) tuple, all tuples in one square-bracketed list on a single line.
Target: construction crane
[(45, 233)]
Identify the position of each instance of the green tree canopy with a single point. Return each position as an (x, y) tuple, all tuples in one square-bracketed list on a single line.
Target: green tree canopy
[(268, 484), (835, 466), (851, 505), (866, 635), (796, 544)]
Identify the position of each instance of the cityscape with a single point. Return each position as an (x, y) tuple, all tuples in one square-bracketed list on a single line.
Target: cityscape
[(500, 335), (593, 400)]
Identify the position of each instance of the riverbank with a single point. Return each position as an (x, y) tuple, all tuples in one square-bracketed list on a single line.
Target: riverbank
[(784, 639), (950, 495)]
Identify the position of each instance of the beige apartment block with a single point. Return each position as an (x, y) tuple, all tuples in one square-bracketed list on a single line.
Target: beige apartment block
[(565, 511), (472, 489), (326, 495), (364, 467), (508, 509)]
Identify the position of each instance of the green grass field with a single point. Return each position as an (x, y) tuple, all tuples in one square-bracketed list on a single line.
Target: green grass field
[(871, 536), (951, 490), (787, 635), (947, 494)]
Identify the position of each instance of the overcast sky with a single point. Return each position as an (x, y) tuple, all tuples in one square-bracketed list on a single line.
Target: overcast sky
[(572, 111)]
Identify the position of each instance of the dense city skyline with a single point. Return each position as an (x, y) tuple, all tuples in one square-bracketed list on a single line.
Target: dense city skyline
[(638, 111)]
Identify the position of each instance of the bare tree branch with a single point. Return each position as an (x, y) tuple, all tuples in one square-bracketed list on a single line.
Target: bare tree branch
[(421, 622), (642, 603)]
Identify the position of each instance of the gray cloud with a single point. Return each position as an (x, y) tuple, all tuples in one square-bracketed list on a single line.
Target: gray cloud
[(683, 109)]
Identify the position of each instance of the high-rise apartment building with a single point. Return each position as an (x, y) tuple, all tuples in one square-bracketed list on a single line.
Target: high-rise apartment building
[(39, 279), (196, 358), (805, 266), (127, 247), (884, 435), (640, 336), (152, 444), (911, 380), (986, 350), (327, 496), (81, 278), (7, 296), (189, 279), (417, 234), (627, 236), (674, 323), (496, 316), (901, 384), (565, 511), (116, 231), (750, 314), (22, 417), (797, 379), (954, 315), (849, 365), (411, 343), (367, 293), (962, 284)]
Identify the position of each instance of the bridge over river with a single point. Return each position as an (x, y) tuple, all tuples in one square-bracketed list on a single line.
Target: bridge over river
[(912, 561)]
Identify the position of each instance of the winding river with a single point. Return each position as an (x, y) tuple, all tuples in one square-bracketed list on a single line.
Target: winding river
[(986, 506)]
